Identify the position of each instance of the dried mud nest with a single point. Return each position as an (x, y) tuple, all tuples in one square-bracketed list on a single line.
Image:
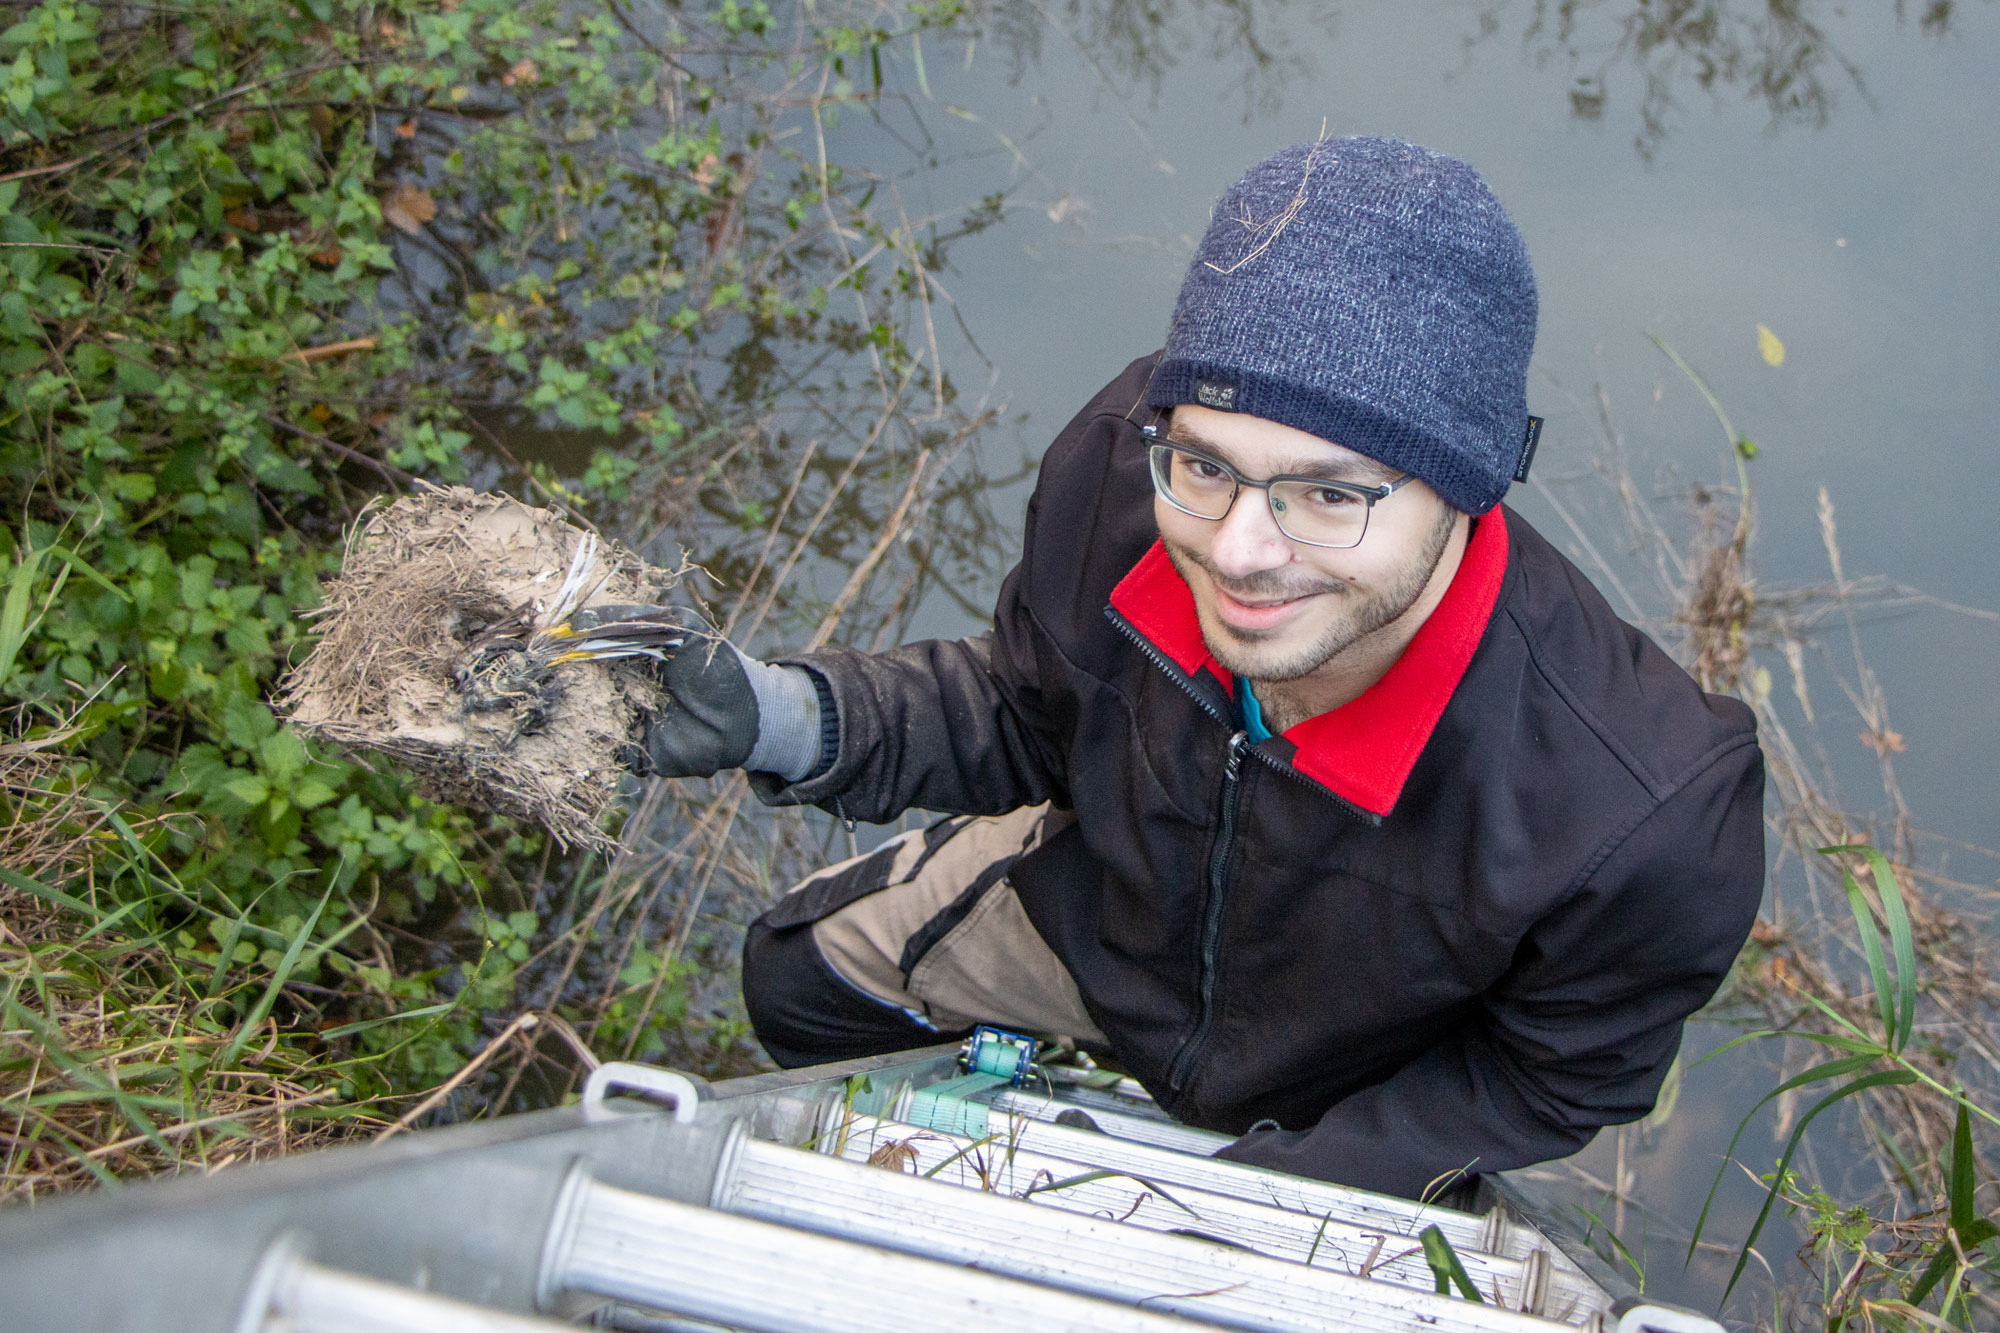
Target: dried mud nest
[(451, 640)]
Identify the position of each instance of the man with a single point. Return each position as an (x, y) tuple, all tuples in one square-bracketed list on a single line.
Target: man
[(1317, 787)]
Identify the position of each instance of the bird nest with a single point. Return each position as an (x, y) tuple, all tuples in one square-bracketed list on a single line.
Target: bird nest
[(460, 638)]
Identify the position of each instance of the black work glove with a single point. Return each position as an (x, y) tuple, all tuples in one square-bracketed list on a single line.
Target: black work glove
[(710, 722), (724, 710)]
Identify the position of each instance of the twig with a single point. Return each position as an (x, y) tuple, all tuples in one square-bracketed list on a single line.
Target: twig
[(388, 470), (522, 1023), (307, 356)]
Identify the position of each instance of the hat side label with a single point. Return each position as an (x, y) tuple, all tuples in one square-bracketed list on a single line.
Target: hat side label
[(1208, 393)]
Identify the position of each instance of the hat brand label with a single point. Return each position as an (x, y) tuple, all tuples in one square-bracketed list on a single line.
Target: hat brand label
[(1210, 394)]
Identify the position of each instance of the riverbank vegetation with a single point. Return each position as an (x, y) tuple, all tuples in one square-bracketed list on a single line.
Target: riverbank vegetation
[(1867, 990), (263, 262)]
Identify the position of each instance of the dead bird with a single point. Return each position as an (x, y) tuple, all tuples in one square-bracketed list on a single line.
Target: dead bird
[(511, 663)]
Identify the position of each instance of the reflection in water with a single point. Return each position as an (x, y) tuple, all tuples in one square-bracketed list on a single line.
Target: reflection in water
[(1138, 41), (1778, 52)]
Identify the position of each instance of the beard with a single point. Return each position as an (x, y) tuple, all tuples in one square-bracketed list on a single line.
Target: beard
[(1266, 655)]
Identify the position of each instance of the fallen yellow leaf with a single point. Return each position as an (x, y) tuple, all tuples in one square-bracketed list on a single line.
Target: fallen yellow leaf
[(1769, 345)]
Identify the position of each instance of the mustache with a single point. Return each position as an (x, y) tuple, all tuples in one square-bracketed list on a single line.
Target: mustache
[(1266, 585)]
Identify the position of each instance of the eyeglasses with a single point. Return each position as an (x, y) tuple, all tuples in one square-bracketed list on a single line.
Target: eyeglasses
[(1312, 511)]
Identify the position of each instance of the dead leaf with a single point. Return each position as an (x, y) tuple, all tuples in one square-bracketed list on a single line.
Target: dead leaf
[(1884, 743), (320, 412), (522, 71), (408, 129), (894, 1155), (408, 207), (243, 219), (327, 258), (704, 170)]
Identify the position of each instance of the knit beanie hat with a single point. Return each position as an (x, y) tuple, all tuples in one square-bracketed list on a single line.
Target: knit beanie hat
[(1372, 293)]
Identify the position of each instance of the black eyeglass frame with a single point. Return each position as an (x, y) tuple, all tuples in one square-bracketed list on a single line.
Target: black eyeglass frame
[(1158, 448)]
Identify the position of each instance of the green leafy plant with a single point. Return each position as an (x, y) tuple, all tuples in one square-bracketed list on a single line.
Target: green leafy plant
[(1897, 1276), (260, 261)]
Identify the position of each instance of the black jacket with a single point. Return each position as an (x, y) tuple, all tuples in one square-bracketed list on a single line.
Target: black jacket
[(1424, 938)]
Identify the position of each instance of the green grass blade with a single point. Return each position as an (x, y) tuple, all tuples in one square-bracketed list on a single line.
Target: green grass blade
[(971, 1147), (1734, 1042), (1887, 1078), (1871, 945), (1963, 1179), (1831, 1069), (1943, 1262), (1977, 1233), (1318, 1236), (278, 980), (40, 890), (92, 1084), (226, 955), (14, 623), (1631, 1261), (1085, 1178), (1446, 1266), (83, 567), (1900, 941)]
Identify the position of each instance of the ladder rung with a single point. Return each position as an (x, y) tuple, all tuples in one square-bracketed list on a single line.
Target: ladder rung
[(1212, 1283), (1372, 1212), (767, 1278), (293, 1295), (1327, 1241)]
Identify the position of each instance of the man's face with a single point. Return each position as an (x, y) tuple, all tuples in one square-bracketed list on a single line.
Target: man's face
[(1272, 609)]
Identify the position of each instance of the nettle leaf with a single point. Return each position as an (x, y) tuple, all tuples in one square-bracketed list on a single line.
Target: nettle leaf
[(282, 756), (310, 793), (246, 723), (249, 789)]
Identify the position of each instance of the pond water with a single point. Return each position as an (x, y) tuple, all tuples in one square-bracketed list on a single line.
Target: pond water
[(1828, 174)]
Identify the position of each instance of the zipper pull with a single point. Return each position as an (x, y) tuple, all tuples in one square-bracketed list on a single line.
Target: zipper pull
[(1234, 764)]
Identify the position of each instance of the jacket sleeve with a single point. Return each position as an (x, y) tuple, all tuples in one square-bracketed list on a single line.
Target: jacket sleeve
[(1582, 1029)]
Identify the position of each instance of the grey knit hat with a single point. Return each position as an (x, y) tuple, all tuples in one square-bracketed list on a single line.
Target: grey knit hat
[(1372, 293)]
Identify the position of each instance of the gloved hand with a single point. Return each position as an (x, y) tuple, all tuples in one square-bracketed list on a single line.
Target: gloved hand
[(711, 722), (725, 709)]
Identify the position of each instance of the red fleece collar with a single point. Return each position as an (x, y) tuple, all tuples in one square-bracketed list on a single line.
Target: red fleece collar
[(1362, 751)]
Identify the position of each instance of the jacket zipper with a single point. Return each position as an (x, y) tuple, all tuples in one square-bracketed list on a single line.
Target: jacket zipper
[(1211, 925), (1179, 677), (1232, 791)]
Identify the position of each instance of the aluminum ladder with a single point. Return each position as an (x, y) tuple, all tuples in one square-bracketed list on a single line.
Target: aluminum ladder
[(966, 1187)]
